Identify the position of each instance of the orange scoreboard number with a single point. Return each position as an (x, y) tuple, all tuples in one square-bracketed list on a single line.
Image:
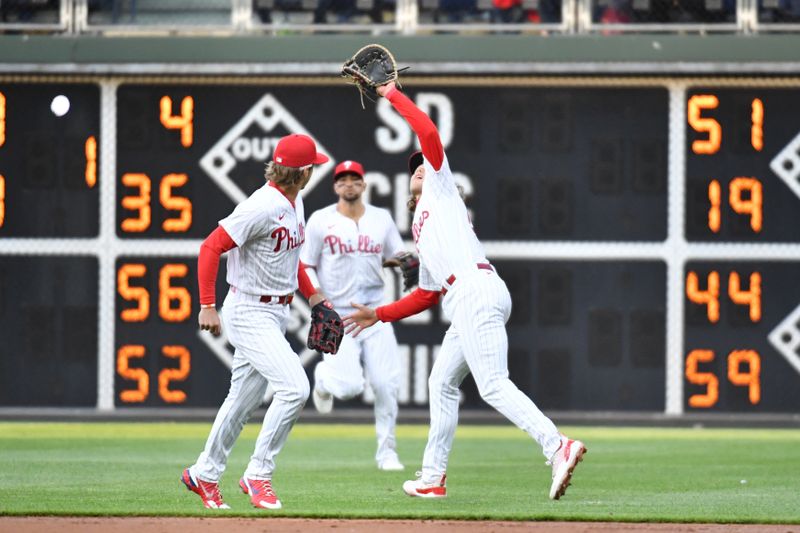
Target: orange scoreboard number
[(183, 122), (90, 150), (126, 357), (737, 332), (709, 296), (746, 197), (174, 306), (745, 194), (141, 202), (712, 129), (174, 301), (707, 293), (749, 378)]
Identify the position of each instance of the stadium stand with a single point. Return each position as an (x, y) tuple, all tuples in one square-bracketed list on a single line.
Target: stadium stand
[(407, 17)]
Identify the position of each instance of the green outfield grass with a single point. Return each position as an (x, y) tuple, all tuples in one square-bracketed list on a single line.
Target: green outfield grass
[(495, 472)]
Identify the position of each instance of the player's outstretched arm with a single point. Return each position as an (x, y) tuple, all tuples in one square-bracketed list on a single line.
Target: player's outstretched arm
[(409, 305), (423, 126), (364, 317)]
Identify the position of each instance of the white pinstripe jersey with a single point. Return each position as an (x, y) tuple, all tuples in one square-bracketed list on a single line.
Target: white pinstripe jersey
[(442, 230), (268, 232), (348, 254)]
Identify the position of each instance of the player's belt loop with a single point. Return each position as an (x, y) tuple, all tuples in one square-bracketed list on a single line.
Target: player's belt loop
[(286, 299), (450, 280)]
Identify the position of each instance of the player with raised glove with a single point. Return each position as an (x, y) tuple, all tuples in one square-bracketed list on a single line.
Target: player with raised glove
[(369, 68), (326, 330), (454, 270), (409, 268)]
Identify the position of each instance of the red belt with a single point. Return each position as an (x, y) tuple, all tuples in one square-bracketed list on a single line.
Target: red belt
[(452, 278), (286, 299)]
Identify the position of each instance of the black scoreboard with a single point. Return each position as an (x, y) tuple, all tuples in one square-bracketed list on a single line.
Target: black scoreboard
[(741, 186), (573, 189)]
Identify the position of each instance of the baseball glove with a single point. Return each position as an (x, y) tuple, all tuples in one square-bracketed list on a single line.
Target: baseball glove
[(369, 68), (326, 330), (409, 267)]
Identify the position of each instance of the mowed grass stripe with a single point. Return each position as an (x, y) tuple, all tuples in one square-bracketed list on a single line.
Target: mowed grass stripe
[(495, 472)]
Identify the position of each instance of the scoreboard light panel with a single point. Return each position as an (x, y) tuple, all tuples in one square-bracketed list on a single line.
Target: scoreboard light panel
[(618, 303)]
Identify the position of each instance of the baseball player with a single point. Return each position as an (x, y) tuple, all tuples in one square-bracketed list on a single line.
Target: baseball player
[(264, 234), (453, 266), (345, 246)]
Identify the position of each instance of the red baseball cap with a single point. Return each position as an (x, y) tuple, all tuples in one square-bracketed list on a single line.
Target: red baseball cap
[(348, 167), (297, 151), (414, 161)]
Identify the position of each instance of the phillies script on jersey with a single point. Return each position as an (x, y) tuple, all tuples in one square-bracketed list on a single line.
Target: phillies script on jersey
[(365, 245), (416, 227), (283, 237)]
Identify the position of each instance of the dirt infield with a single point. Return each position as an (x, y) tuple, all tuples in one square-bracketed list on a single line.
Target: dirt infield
[(305, 525)]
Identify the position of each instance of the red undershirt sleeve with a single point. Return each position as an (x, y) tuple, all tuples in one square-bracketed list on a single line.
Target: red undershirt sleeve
[(422, 125), (217, 243), (409, 305), (304, 282)]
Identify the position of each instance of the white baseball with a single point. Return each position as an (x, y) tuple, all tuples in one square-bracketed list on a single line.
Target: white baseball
[(60, 105)]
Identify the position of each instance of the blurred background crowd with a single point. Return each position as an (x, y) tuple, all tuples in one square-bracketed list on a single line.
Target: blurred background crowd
[(405, 16)]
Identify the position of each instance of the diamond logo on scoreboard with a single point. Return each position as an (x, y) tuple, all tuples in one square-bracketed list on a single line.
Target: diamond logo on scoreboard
[(253, 138)]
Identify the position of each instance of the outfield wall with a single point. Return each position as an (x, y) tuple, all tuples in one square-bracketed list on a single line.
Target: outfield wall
[(644, 211)]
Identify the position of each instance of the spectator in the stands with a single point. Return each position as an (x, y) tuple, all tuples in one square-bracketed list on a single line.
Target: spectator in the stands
[(513, 11), (617, 12)]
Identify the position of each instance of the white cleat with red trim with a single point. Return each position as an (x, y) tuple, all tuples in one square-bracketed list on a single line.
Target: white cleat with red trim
[(564, 462), (420, 489)]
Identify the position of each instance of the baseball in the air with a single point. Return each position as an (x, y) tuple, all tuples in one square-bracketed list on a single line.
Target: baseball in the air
[(60, 105)]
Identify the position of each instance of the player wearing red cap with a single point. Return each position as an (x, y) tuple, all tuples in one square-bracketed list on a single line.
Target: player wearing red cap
[(263, 235), (345, 246)]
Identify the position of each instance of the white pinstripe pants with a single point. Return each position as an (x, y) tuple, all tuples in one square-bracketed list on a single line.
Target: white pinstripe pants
[(262, 355), (478, 306), (341, 374)]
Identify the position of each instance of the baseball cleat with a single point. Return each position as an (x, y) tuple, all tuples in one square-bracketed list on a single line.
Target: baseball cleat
[(564, 462), (207, 490), (391, 463), (260, 492), (420, 489), (323, 401)]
